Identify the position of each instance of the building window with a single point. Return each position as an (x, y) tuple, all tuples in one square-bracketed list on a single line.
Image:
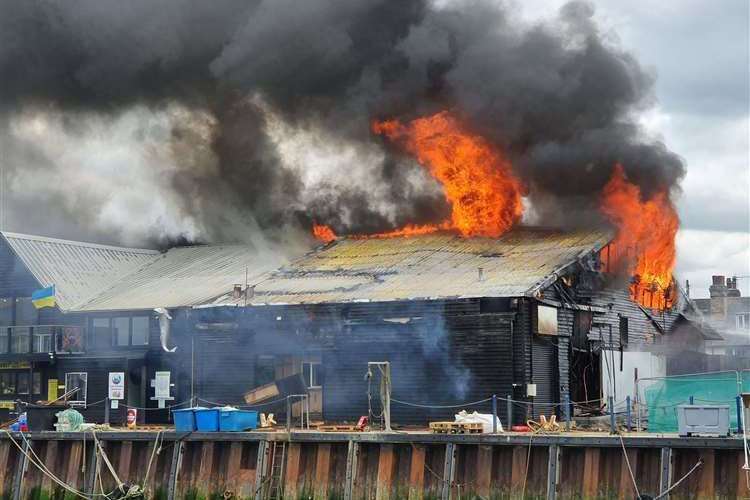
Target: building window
[(121, 331), (130, 331), (140, 330), (42, 341), (77, 380), (4, 340), (22, 383), (8, 383), (743, 321), (311, 372), (20, 339), (36, 383), (101, 334)]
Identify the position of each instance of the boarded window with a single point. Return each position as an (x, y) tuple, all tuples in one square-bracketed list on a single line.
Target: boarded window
[(546, 320), (36, 383)]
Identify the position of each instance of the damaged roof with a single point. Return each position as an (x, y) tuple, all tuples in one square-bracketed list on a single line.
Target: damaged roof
[(91, 277), (78, 270), (435, 266)]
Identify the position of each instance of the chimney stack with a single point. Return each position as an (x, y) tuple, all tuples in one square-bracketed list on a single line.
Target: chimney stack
[(718, 292), (732, 290), (237, 292)]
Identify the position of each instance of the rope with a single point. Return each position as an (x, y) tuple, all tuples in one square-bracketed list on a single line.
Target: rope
[(675, 485), (154, 409), (630, 470), (440, 406)]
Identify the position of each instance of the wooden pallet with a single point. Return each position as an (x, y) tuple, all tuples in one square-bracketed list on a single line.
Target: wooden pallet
[(456, 427), (338, 428)]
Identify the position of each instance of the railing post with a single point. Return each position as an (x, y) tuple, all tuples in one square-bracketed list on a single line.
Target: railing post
[(566, 409), (738, 402), (494, 414), (106, 410), (509, 410), (288, 414), (692, 400), (612, 425), (627, 412)]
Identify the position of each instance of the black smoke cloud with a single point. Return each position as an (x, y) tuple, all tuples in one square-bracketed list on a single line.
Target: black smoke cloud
[(559, 97)]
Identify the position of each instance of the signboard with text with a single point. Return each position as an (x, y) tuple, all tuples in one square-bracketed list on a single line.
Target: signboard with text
[(116, 385)]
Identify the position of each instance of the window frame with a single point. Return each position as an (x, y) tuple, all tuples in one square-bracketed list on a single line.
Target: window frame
[(744, 318), (113, 334), (309, 382), (85, 377)]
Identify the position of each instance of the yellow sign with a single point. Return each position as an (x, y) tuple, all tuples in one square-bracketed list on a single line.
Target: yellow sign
[(7, 405), (14, 365), (51, 389)]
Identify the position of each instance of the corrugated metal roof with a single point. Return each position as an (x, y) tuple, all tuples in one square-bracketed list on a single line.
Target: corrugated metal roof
[(184, 276), (78, 270), (425, 267)]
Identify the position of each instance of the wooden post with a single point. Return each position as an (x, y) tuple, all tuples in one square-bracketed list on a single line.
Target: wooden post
[(23, 463), (416, 472), (50, 457), (261, 468), (743, 477), (206, 473), (322, 466), (627, 490), (352, 460), (4, 456), (233, 467), (73, 470), (665, 478), (292, 471), (707, 481), (484, 470), (174, 469), (518, 470), (123, 466), (91, 466), (591, 472), (449, 469), (553, 471), (385, 472)]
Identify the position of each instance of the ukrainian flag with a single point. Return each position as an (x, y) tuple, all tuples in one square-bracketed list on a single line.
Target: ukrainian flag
[(44, 297)]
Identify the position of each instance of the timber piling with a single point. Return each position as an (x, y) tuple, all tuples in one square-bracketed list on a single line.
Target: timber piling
[(413, 465)]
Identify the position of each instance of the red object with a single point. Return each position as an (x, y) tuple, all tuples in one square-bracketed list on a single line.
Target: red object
[(520, 428), (132, 417), (23, 428), (362, 423)]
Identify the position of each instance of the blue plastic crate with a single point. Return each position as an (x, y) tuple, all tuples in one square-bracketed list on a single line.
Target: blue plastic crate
[(207, 419), (184, 420), (238, 420)]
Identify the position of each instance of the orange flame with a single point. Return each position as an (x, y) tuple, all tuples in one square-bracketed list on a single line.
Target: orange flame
[(645, 240), (323, 233), (484, 194)]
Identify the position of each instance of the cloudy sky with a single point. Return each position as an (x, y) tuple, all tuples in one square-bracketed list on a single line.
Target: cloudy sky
[(699, 51)]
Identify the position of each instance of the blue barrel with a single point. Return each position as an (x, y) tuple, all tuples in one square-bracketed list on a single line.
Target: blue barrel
[(238, 420), (207, 419), (184, 420)]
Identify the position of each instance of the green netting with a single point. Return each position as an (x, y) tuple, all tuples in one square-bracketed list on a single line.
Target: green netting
[(664, 395)]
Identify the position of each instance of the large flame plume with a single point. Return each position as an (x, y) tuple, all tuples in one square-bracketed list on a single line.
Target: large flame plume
[(484, 194), (645, 242)]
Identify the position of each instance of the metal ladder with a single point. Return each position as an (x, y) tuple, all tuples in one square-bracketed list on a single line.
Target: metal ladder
[(275, 488)]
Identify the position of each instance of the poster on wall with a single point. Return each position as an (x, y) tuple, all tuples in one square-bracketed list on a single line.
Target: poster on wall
[(116, 385)]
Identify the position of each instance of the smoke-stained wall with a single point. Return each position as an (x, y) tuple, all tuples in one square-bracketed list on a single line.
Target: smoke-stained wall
[(216, 121)]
